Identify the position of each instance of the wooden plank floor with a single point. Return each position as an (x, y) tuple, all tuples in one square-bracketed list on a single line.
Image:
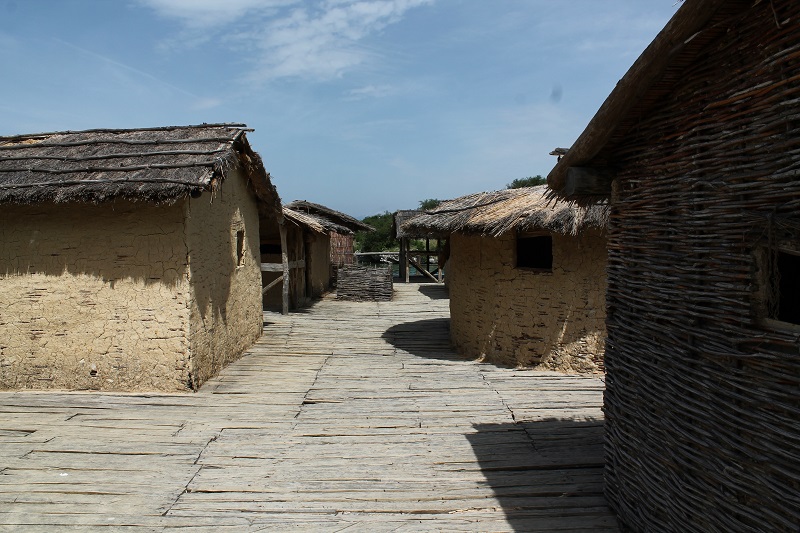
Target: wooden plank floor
[(345, 417)]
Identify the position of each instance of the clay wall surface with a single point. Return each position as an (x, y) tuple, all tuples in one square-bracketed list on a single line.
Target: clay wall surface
[(225, 273), (93, 297), (523, 317)]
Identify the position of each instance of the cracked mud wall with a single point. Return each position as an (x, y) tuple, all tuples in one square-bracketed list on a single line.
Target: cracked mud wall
[(225, 271), (93, 297), (520, 317)]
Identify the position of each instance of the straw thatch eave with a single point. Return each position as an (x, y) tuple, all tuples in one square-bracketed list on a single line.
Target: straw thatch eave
[(313, 222), (153, 165), (330, 217), (499, 212), (585, 172)]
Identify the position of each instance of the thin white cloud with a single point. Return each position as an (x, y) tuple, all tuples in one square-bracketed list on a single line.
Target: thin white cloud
[(205, 13), (370, 91), (323, 42), (316, 40), (195, 102)]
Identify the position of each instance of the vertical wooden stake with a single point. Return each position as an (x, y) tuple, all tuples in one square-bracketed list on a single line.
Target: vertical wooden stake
[(407, 263), (285, 261), (401, 265)]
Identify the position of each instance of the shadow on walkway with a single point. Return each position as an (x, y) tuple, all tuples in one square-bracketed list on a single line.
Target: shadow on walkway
[(424, 338), (547, 475), (434, 291)]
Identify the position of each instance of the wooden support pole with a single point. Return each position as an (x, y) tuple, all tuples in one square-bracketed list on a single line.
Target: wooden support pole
[(438, 259), (272, 284), (422, 269), (402, 265), (407, 260), (285, 261), (428, 254)]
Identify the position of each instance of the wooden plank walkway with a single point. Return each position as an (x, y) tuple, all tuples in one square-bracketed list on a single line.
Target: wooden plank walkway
[(345, 417)]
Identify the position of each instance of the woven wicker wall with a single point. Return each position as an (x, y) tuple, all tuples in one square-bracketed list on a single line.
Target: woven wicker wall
[(360, 284), (342, 249), (703, 392)]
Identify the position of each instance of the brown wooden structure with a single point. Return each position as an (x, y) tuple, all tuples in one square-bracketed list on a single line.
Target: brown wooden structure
[(698, 150), (302, 252), (419, 259)]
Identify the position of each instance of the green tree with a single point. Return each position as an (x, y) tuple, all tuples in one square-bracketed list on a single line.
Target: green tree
[(429, 203), (379, 240), (530, 181)]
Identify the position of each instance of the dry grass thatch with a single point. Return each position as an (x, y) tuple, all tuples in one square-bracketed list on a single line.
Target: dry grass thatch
[(326, 218), (157, 165), (399, 219), (499, 212)]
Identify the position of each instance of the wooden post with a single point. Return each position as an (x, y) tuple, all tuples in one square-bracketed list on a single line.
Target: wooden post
[(407, 260), (427, 254), (285, 261), (401, 265), (438, 259)]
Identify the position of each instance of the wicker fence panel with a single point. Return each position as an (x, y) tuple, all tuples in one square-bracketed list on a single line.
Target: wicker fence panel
[(342, 251), (358, 283), (703, 390)]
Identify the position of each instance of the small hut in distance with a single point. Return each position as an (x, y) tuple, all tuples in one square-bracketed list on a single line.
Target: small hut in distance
[(526, 277), (318, 241)]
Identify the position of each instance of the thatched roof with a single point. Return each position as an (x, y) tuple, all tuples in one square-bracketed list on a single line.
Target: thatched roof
[(331, 220), (315, 223), (156, 165), (398, 224), (648, 81), (499, 212)]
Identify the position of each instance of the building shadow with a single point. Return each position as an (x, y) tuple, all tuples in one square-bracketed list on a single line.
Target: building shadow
[(546, 474), (434, 291), (424, 338)]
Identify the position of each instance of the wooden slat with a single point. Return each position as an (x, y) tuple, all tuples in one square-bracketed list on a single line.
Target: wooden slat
[(333, 420)]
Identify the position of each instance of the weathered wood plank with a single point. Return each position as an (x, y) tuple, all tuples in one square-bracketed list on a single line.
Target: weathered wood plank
[(326, 424)]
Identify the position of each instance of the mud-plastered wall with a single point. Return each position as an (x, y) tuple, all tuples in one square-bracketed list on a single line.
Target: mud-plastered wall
[(225, 272), (93, 297), (522, 317)]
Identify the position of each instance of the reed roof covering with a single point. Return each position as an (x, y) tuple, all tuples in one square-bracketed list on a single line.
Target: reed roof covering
[(328, 218), (313, 222), (499, 212), (653, 76), (156, 165), (398, 220)]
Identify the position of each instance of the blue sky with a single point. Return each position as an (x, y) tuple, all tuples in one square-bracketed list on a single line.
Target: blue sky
[(361, 105)]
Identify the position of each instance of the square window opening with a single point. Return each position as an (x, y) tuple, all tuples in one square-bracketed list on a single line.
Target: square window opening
[(785, 287), (240, 247), (535, 252)]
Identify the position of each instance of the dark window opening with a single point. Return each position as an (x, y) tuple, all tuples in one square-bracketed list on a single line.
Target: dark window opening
[(786, 287), (270, 249), (535, 252), (240, 247)]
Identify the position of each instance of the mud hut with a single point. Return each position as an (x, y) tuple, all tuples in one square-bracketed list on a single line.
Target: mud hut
[(319, 240), (129, 258), (698, 150), (526, 277)]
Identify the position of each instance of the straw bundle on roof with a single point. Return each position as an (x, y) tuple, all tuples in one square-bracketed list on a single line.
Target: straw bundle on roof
[(498, 212), (158, 165), (328, 218)]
